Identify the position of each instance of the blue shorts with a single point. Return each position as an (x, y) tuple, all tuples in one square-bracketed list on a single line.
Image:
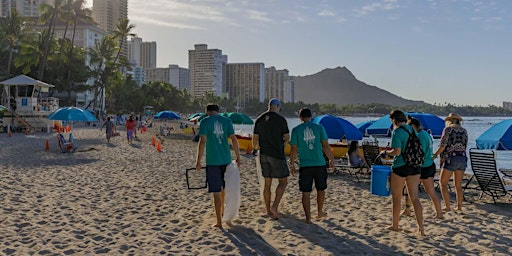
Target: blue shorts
[(312, 173), (215, 177), (272, 167), (456, 163), (428, 172), (405, 170)]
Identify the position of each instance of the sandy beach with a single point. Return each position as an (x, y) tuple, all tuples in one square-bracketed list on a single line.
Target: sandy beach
[(121, 199)]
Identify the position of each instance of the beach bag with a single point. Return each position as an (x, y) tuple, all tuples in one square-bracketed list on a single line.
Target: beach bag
[(413, 154)]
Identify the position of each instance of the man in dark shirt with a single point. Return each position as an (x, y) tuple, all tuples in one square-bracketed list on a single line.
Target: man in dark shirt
[(109, 128), (271, 134)]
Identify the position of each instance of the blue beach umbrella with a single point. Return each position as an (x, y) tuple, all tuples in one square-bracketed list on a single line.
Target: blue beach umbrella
[(363, 125), (430, 123), (72, 114), (498, 137), (338, 128), (167, 114)]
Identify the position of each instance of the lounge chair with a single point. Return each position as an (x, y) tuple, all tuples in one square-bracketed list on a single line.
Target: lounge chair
[(66, 146), (343, 164), (483, 163)]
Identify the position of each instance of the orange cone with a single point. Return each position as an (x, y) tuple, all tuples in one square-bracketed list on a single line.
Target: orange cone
[(153, 141), (10, 133), (47, 146), (159, 147)]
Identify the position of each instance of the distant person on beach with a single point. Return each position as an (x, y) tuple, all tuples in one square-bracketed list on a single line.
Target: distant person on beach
[(428, 169), (308, 140), (130, 127), (403, 173), (271, 134), (214, 132), (452, 149), (109, 128), (354, 156)]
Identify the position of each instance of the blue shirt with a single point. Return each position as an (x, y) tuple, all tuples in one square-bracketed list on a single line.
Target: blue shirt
[(308, 138), (217, 129)]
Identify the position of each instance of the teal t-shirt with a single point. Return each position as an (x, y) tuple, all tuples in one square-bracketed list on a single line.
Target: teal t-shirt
[(399, 139), (426, 145), (308, 138), (217, 129)]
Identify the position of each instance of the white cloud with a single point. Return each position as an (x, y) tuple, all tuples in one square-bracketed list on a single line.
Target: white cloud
[(146, 20), (258, 16), (383, 5), (326, 13)]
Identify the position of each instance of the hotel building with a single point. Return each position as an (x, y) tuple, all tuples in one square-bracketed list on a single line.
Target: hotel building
[(206, 70), (245, 82)]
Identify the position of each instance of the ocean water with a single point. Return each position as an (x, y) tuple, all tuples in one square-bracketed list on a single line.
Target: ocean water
[(474, 125)]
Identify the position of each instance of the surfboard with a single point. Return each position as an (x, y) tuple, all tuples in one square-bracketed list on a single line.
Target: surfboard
[(261, 180), (232, 198)]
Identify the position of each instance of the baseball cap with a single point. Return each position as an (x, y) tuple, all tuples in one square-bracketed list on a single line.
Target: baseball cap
[(274, 101)]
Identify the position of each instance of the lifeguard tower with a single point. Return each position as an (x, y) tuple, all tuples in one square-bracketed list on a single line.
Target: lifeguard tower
[(27, 109)]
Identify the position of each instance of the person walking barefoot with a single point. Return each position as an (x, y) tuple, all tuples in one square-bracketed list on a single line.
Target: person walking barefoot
[(308, 141), (270, 136)]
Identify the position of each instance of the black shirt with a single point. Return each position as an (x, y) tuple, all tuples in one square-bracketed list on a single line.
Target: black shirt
[(270, 127)]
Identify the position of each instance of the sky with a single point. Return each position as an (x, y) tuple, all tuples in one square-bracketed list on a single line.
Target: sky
[(438, 51)]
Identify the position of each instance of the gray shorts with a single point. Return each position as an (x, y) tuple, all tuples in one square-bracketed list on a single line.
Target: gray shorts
[(456, 163), (272, 167)]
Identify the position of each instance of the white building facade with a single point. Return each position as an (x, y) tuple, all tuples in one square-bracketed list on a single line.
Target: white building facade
[(206, 70), (179, 77), (279, 85)]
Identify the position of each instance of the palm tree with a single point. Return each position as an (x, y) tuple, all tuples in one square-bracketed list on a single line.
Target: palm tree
[(124, 30), (101, 62), (80, 14), (48, 15), (13, 27)]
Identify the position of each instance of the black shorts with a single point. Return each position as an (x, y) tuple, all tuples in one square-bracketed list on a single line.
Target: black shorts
[(215, 177), (428, 172), (405, 170), (310, 173), (272, 167)]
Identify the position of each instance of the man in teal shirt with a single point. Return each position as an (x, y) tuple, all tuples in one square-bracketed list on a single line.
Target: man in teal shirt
[(214, 132), (308, 140)]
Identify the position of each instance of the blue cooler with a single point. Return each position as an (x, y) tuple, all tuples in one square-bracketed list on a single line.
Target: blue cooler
[(381, 180)]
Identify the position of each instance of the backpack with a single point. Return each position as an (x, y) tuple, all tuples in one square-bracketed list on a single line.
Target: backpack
[(413, 154)]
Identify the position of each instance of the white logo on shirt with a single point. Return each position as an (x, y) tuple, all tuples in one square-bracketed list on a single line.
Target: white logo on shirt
[(309, 138), (218, 131)]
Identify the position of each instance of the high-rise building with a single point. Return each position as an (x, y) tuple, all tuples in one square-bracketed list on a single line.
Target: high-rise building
[(148, 55), (245, 82), (107, 14), (158, 75), (134, 51), (206, 70), (27, 8), (507, 105), (278, 84), (179, 77)]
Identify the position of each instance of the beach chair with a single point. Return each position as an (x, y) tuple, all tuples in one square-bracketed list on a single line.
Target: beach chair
[(343, 164), (66, 146), (483, 163), (371, 154)]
